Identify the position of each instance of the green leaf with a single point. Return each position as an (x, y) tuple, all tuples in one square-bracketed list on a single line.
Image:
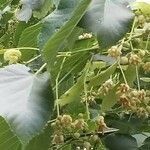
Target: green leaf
[(55, 20), (142, 6), (102, 77), (29, 39), (120, 142), (103, 19), (25, 13), (56, 2), (56, 42), (7, 138), (145, 79), (4, 3), (146, 144), (26, 100), (109, 100), (73, 94), (47, 6), (19, 29), (140, 138), (41, 141), (71, 108), (73, 64), (130, 74)]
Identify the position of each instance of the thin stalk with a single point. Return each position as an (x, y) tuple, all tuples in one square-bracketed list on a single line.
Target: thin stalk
[(137, 77), (31, 60), (132, 30), (77, 51), (131, 45), (21, 48), (131, 34), (56, 89), (124, 77), (86, 93), (39, 71), (147, 42)]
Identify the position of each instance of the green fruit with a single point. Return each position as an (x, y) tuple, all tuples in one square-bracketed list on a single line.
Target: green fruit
[(87, 145), (76, 135), (142, 53), (124, 60), (95, 138)]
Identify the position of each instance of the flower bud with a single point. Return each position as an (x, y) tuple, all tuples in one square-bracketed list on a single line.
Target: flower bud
[(12, 56)]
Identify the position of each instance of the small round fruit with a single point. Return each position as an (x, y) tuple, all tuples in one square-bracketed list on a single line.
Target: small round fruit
[(124, 60), (12, 56), (76, 135)]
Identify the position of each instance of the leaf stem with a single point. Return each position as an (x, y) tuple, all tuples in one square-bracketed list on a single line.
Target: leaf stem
[(77, 51)]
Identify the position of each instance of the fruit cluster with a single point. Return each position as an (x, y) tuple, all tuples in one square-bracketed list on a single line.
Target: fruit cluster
[(65, 128), (134, 101)]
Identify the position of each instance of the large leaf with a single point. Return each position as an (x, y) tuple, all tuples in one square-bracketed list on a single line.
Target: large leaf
[(54, 21), (121, 142), (41, 141), (108, 19), (140, 138), (8, 140), (26, 100), (146, 144), (56, 42), (130, 74)]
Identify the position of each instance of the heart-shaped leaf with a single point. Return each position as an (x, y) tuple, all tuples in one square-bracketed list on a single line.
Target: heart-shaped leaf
[(8, 140), (54, 21), (28, 6), (108, 19), (26, 100), (121, 142)]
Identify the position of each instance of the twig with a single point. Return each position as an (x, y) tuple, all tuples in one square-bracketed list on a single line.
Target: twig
[(31, 60), (39, 71), (137, 76), (124, 77)]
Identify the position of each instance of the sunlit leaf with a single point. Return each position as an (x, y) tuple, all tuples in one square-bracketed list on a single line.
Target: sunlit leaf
[(103, 19), (26, 100)]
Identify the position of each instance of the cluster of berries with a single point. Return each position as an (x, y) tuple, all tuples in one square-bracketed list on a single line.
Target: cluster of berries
[(134, 101), (65, 126), (85, 36), (106, 87)]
